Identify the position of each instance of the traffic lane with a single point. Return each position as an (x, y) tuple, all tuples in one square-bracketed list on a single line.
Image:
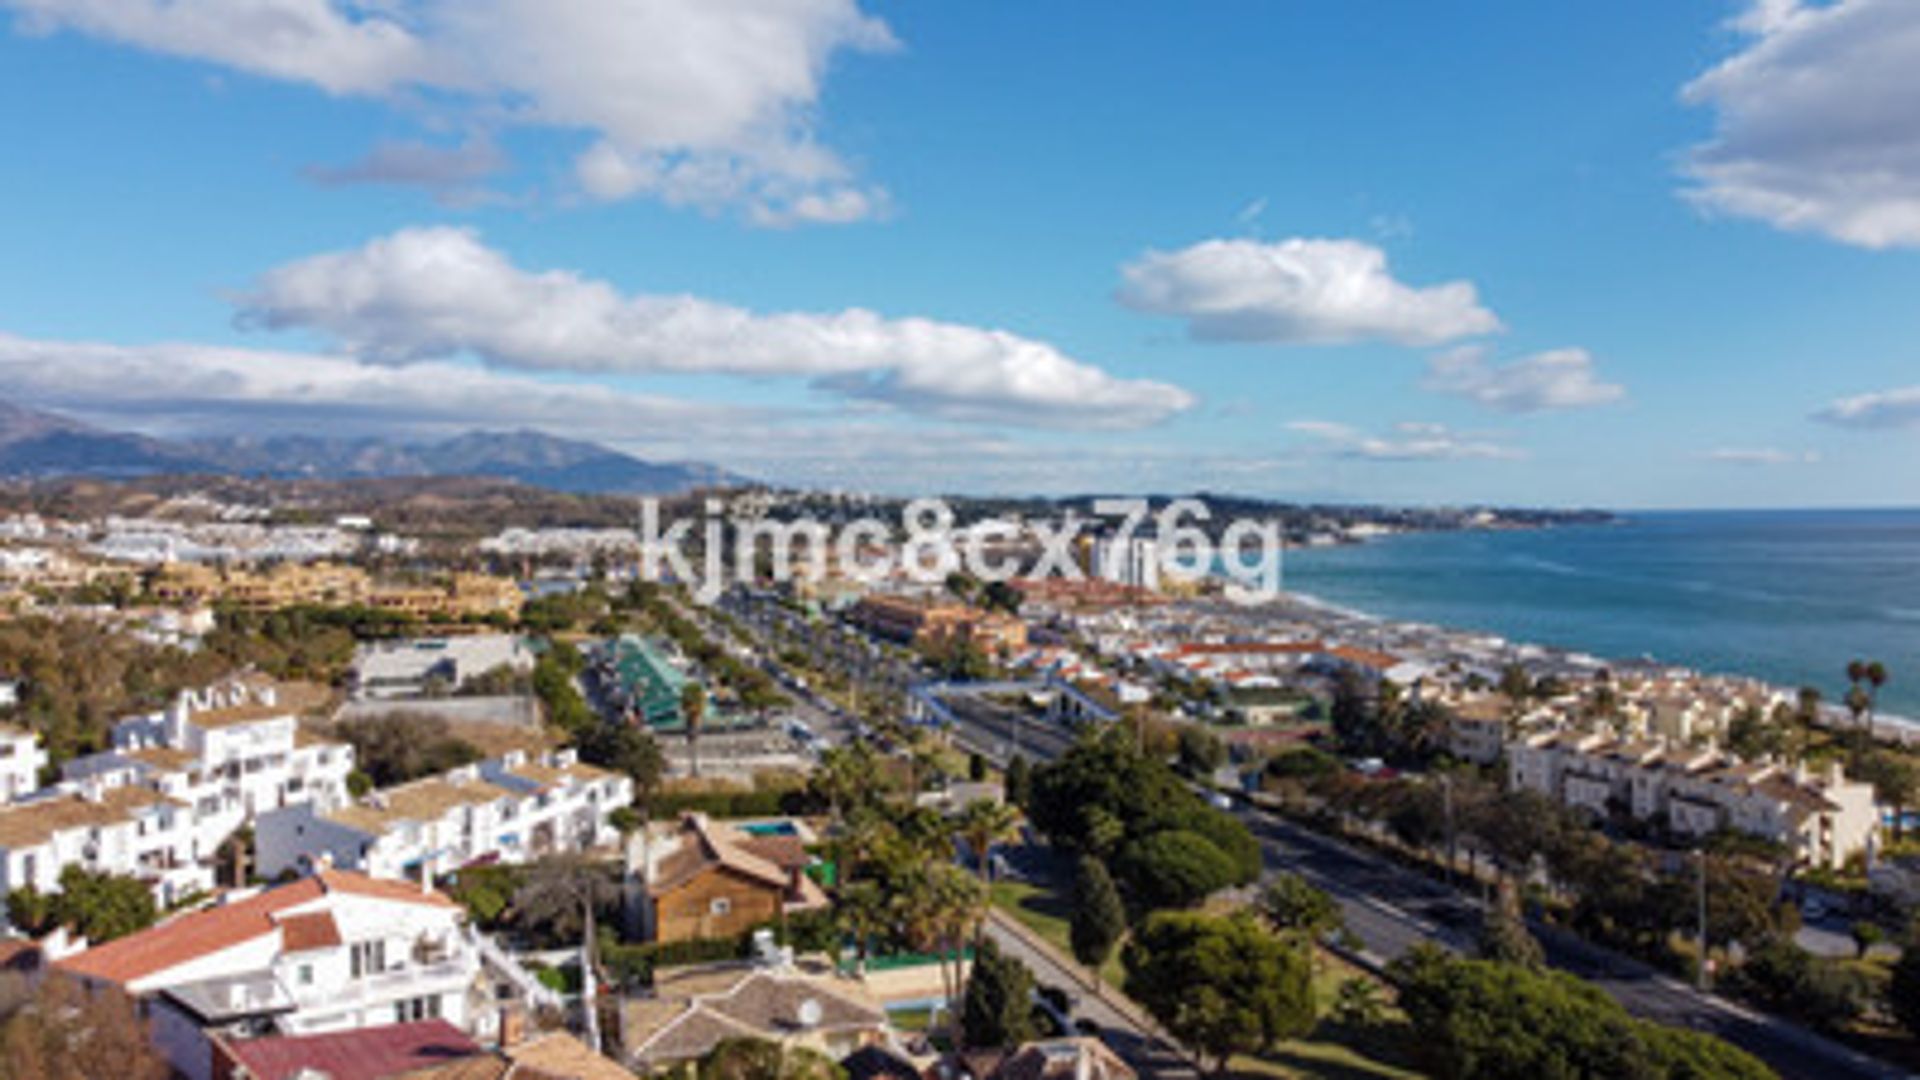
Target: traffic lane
[(1391, 909)]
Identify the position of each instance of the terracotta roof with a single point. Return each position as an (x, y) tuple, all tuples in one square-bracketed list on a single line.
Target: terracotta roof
[(1060, 1059), (692, 1012), (304, 933), (421, 800), (170, 944), (704, 846), (787, 852), (164, 758), (372, 1053), (1248, 648), (233, 715), (1364, 657), (33, 823), (562, 1057)]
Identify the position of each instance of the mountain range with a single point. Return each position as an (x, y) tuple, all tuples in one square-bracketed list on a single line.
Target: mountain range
[(36, 444)]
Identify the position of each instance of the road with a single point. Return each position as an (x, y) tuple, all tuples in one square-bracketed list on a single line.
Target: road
[(1391, 909), (1149, 1055)]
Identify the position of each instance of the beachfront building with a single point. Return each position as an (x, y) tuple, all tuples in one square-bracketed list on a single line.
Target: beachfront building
[(1822, 819), (1479, 726), (912, 621), (21, 760), (331, 952), (509, 809)]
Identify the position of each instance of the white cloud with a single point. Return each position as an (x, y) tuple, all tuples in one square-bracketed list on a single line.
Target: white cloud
[(1409, 441), (1898, 408), (1557, 379), (708, 103), (244, 387), (1299, 292), (431, 292), (1818, 121), (405, 161), (1761, 456)]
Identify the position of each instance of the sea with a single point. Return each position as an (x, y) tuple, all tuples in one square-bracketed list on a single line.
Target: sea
[(1788, 596)]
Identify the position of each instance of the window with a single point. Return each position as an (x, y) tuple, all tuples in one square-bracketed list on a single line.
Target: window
[(304, 975), (719, 906), (369, 958), (420, 1008)]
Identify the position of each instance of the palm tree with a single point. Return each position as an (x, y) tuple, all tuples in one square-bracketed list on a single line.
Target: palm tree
[(862, 907), (1876, 675), (693, 713), (982, 824)]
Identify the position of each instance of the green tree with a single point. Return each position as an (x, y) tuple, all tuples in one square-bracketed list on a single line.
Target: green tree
[(1903, 989), (758, 1059), (1221, 986), (1290, 904), (997, 1011), (101, 906), (1019, 781), (982, 824), (1477, 1020), (1201, 751), (693, 714), (1099, 919), (1866, 934), (1504, 938), (1174, 869)]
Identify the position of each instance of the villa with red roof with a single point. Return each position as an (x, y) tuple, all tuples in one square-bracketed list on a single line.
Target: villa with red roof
[(335, 951)]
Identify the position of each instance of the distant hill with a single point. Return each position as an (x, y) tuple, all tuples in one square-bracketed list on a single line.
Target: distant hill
[(41, 444)]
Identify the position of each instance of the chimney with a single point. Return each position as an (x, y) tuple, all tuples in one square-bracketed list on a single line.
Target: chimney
[(1083, 1064)]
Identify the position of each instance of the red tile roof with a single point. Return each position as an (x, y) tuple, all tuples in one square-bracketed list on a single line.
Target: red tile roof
[(303, 933), (200, 933), (374, 1053)]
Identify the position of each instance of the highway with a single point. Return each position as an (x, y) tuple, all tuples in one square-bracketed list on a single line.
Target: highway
[(1390, 909)]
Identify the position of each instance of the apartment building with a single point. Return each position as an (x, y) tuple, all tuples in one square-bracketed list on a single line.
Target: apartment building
[(509, 809), (290, 584), (228, 753), (331, 952), (130, 831), (1823, 819), (21, 760), (911, 621), (414, 667)]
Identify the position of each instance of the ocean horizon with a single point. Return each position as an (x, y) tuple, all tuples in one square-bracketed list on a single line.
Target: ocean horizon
[(1784, 595)]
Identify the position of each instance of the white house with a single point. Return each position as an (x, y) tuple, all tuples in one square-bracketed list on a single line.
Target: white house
[(509, 809), (9, 693), (330, 952), (21, 760)]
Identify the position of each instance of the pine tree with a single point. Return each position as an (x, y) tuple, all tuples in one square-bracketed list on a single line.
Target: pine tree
[(1099, 920)]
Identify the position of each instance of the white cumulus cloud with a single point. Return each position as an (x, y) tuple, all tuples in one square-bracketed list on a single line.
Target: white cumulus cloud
[(1817, 121), (1299, 292), (432, 292), (709, 103), (1897, 408), (1556, 379), (1408, 441)]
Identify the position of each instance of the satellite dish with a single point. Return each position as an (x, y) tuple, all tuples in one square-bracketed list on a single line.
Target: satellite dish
[(809, 1013)]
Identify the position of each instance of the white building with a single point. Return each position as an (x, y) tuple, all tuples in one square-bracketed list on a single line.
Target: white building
[(229, 753), (129, 831), (1132, 560), (1822, 819), (412, 668), (21, 760), (330, 952), (510, 809), (9, 693)]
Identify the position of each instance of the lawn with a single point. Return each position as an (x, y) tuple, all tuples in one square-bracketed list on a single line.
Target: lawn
[(1047, 911)]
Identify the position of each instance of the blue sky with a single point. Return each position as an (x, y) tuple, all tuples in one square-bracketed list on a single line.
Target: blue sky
[(1649, 253)]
